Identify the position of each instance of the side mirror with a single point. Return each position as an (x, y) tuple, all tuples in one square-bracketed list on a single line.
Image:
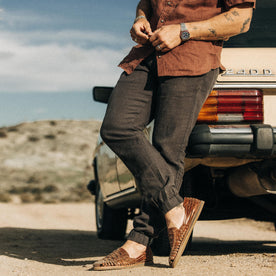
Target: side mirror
[(101, 94)]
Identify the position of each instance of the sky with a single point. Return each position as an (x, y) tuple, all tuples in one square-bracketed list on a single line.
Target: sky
[(50, 48)]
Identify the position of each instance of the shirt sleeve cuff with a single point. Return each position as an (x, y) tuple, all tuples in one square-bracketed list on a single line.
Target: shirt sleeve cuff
[(230, 3)]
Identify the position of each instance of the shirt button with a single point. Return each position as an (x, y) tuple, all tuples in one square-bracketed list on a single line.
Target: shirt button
[(162, 21)]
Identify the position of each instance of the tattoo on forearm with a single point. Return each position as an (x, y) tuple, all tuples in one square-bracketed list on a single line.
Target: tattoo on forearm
[(235, 13), (246, 22), (211, 38), (213, 32), (228, 17)]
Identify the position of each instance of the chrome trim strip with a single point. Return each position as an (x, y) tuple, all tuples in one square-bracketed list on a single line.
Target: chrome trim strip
[(246, 85), (225, 75), (226, 129), (119, 194), (233, 130)]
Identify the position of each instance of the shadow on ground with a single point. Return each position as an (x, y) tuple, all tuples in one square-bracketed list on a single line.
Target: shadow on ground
[(53, 246), (214, 247), (61, 247)]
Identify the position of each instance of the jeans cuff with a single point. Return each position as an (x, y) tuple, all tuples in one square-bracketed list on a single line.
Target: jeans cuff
[(167, 205), (138, 237)]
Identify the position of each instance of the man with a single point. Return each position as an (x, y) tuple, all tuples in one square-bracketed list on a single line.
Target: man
[(167, 77)]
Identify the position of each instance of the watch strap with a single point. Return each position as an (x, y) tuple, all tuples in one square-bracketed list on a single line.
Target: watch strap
[(183, 27), (184, 32)]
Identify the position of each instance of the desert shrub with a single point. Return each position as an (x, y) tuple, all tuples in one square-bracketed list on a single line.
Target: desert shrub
[(4, 197), (3, 134), (33, 138), (66, 199), (14, 190), (49, 200), (25, 189), (12, 129), (35, 190), (80, 191), (50, 136), (61, 132), (33, 179), (19, 190), (27, 198), (50, 189), (33, 195), (38, 197), (53, 123)]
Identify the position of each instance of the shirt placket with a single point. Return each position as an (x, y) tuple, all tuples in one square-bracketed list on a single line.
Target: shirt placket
[(168, 6)]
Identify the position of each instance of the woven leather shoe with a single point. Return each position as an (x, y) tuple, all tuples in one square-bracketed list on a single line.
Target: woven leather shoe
[(119, 259), (179, 237)]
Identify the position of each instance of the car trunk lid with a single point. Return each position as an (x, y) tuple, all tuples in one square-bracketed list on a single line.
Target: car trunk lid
[(248, 65)]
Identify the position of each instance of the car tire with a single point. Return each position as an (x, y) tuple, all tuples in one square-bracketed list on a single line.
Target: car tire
[(161, 247), (111, 223)]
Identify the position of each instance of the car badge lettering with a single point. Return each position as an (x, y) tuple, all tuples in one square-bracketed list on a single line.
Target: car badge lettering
[(248, 73)]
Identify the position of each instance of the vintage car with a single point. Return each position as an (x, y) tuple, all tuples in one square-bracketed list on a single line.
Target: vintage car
[(231, 157)]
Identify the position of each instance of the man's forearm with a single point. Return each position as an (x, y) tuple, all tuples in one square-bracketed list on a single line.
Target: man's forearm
[(221, 27), (141, 29), (144, 9)]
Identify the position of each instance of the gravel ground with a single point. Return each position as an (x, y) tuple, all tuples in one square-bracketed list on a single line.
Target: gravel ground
[(60, 239)]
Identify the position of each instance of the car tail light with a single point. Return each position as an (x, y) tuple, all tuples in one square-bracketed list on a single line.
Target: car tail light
[(228, 106)]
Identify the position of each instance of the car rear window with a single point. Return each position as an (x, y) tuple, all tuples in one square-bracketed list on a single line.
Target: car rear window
[(262, 32)]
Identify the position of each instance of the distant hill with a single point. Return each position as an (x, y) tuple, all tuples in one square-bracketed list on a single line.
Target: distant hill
[(47, 161)]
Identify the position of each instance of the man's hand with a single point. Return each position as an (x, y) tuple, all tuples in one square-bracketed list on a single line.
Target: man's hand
[(141, 31), (166, 38)]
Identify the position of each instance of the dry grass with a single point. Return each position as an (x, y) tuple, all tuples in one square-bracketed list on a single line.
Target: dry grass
[(48, 161)]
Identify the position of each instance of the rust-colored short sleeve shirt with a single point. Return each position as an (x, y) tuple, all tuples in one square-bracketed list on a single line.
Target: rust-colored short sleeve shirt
[(193, 57)]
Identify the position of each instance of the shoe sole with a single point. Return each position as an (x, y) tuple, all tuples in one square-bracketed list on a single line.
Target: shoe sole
[(103, 268), (186, 239)]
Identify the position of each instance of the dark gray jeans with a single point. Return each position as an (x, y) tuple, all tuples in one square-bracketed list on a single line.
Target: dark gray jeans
[(174, 104)]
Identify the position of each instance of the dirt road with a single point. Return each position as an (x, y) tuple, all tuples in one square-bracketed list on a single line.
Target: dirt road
[(60, 239)]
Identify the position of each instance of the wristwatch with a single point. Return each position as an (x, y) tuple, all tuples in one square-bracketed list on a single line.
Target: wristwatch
[(184, 33)]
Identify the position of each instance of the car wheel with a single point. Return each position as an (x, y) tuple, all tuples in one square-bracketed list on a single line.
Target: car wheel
[(111, 223), (161, 246)]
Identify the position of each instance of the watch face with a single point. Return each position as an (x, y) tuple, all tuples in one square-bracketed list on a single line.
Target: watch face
[(185, 35)]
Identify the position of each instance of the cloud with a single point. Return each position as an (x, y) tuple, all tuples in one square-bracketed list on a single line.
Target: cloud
[(27, 18), (58, 63), (88, 39), (35, 57)]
